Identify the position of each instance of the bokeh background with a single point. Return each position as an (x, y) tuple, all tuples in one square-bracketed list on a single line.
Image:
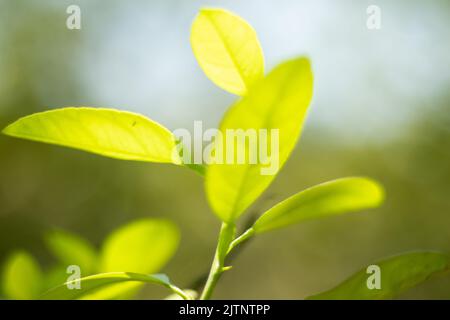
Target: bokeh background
[(381, 108)]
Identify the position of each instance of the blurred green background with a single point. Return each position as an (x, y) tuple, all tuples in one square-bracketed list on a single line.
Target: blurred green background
[(381, 109)]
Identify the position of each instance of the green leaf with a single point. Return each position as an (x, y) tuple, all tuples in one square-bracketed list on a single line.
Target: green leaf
[(398, 274), (90, 284), (278, 102), (22, 278), (115, 291), (108, 132), (71, 249), (227, 49), (143, 246), (326, 199)]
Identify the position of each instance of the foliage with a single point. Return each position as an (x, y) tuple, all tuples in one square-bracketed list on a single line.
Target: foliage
[(142, 246), (228, 51), (399, 274)]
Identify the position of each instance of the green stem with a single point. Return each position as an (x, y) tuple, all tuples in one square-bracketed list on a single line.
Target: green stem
[(218, 266), (179, 292), (242, 238)]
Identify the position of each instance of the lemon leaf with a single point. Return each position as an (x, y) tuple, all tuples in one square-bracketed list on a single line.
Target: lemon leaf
[(227, 49), (327, 199), (276, 106), (22, 277), (142, 246)]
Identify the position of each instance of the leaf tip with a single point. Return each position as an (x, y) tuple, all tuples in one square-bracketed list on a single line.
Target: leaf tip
[(377, 190), (7, 130)]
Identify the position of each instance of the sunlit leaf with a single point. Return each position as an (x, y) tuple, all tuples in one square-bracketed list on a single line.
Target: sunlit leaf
[(115, 291), (88, 285), (397, 275), (143, 246), (108, 132), (22, 277), (326, 199), (227, 49), (278, 102), (71, 249)]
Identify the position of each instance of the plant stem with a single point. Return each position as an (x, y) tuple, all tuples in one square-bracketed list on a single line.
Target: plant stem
[(218, 266), (180, 292), (242, 238)]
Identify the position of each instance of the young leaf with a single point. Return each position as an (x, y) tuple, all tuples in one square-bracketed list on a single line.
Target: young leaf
[(108, 132), (278, 102), (90, 284), (397, 275), (227, 49), (326, 199), (143, 246), (22, 278), (71, 249)]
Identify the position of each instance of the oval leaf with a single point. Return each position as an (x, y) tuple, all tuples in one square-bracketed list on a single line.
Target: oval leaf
[(71, 249), (276, 106), (108, 132), (22, 278), (397, 275), (326, 199), (227, 49), (88, 285), (143, 246)]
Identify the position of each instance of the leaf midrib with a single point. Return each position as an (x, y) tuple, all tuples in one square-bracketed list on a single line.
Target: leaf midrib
[(83, 146), (228, 50)]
